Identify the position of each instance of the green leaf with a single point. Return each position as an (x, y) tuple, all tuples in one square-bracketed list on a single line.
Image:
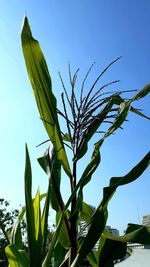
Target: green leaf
[(98, 222), (15, 232), (99, 218), (38, 230), (134, 234), (138, 234), (125, 107), (142, 93), (17, 237), (66, 137), (110, 251), (118, 100), (124, 110), (90, 169), (92, 259), (80, 184), (32, 217), (37, 215), (139, 113), (87, 212), (59, 254), (42, 87), (51, 165), (92, 128), (63, 235), (92, 166), (16, 257), (114, 247), (30, 212)]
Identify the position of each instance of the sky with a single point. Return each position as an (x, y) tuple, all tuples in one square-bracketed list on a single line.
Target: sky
[(81, 32)]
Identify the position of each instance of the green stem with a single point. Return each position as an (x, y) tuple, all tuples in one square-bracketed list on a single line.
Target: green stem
[(73, 219)]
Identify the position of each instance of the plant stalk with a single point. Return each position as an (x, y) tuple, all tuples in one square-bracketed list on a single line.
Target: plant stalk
[(73, 219)]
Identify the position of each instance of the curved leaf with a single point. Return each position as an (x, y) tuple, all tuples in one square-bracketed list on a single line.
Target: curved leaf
[(114, 247), (110, 250), (99, 218)]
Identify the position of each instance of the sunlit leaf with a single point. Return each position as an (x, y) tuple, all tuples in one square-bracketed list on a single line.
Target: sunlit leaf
[(16, 257), (42, 87), (37, 222)]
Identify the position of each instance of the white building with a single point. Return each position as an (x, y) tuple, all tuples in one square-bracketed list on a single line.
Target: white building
[(83, 230), (113, 231), (146, 220)]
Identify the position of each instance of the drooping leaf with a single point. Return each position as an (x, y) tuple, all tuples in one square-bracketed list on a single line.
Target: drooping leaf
[(125, 107), (110, 251), (99, 218), (114, 247), (118, 100), (42, 87), (138, 234), (124, 110)]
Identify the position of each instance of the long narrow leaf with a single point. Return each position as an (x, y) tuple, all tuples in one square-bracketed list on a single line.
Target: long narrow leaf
[(30, 213), (42, 87), (51, 165), (38, 230), (142, 93)]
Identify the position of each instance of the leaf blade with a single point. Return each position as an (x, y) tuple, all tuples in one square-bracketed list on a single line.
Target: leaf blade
[(42, 87)]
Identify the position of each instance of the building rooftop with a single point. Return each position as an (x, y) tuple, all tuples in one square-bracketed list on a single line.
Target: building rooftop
[(139, 258)]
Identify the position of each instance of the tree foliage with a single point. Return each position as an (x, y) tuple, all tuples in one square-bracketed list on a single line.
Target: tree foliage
[(7, 219)]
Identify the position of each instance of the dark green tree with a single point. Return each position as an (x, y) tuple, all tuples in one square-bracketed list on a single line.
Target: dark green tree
[(7, 219)]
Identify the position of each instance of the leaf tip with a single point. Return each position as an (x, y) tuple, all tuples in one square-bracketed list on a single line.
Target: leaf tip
[(25, 26)]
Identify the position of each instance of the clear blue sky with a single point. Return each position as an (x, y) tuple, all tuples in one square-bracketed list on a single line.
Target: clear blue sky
[(80, 32)]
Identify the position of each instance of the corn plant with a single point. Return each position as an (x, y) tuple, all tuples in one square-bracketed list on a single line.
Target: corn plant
[(84, 114)]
